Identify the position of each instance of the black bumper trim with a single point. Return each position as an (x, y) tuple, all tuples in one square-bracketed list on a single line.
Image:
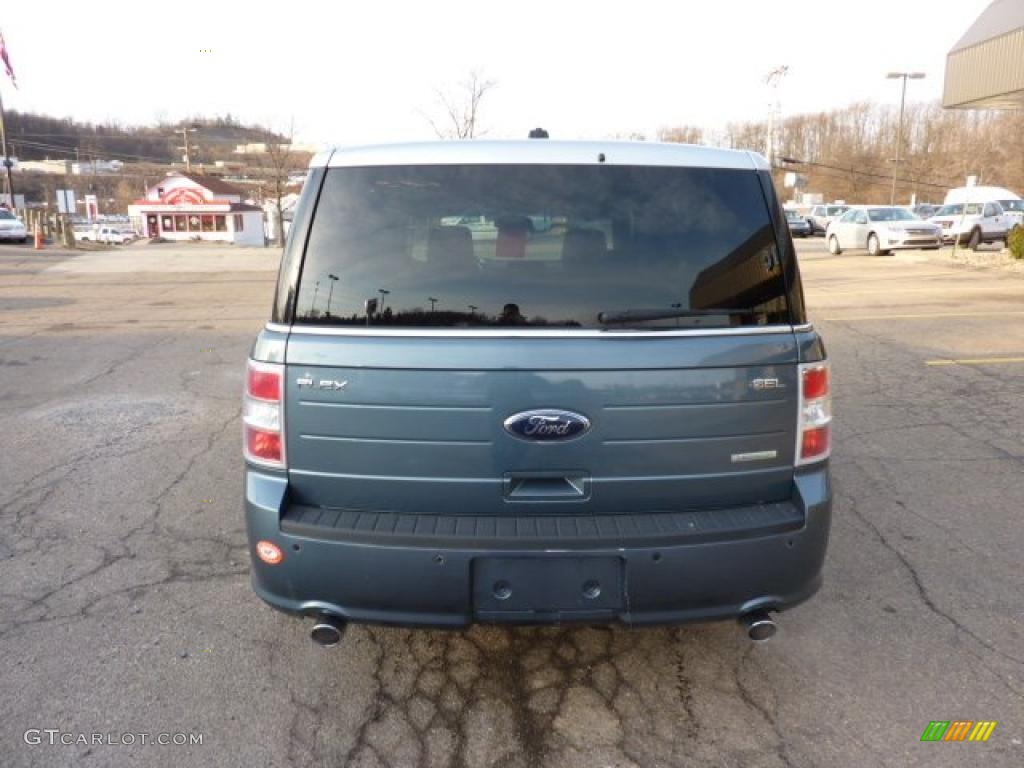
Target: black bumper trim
[(549, 531)]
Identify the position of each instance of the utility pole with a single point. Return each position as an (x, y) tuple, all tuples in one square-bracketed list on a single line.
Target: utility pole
[(7, 158), (185, 131), (904, 76), (772, 80)]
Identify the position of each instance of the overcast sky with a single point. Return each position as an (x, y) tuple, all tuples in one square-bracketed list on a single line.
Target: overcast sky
[(365, 72)]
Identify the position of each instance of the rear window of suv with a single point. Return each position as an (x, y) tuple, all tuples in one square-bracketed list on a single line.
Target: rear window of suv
[(541, 246)]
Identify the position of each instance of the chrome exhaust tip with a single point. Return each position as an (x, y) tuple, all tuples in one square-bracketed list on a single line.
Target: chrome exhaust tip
[(327, 631), (758, 625)]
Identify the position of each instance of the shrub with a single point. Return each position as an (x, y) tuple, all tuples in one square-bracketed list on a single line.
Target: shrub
[(1016, 242)]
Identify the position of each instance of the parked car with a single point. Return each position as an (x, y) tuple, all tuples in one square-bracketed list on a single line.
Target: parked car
[(821, 215), (971, 224), (481, 227), (798, 225), (630, 422), (11, 227), (880, 229)]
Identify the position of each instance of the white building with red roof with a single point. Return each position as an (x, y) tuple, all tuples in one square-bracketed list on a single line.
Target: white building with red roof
[(191, 206)]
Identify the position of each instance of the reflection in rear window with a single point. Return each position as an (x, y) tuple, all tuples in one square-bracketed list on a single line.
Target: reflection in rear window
[(541, 246)]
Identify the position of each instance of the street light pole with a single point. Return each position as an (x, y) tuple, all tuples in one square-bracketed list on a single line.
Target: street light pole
[(330, 295), (904, 76), (772, 80)]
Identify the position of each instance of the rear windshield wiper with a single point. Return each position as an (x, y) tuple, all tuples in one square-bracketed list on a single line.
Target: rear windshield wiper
[(633, 315)]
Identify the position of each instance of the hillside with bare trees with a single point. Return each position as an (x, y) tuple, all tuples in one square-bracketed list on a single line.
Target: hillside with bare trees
[(35, 136), (848, 153)]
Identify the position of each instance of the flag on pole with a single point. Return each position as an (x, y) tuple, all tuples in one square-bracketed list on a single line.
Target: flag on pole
[(7, 61)]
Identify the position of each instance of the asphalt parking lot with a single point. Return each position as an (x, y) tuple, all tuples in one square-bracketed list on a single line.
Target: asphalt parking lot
[(125, 605)]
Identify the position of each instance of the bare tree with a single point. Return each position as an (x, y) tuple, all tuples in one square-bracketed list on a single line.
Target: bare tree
[(460, 109), (629, 136), (275, 165), (682, 134)]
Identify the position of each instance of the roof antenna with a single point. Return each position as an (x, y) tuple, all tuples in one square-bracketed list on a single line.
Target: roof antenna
[(538, 133)]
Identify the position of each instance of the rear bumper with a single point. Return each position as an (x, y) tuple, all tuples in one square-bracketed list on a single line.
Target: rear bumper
[(674, 568)]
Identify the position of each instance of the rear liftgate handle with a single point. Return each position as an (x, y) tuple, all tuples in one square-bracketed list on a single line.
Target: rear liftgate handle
[(546, 486)]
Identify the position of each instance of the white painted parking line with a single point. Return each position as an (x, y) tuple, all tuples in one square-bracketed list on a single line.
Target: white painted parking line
[(921, 316), (976, 361)]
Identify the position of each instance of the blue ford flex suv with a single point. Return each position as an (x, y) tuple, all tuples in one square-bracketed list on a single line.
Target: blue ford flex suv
[(537, 381)]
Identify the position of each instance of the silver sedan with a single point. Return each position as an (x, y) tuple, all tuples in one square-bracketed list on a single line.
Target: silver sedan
[(880, 229)]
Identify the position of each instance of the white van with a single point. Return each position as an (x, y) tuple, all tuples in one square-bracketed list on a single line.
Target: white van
[(1011, 202)]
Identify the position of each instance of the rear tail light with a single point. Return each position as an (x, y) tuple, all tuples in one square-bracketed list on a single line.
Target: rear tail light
[(814, 417), (262, 414)]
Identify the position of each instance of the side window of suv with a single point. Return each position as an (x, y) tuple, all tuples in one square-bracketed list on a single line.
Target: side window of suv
[(991, 209)]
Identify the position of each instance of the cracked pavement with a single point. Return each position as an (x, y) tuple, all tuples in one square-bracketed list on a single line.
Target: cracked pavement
[(125, 604)]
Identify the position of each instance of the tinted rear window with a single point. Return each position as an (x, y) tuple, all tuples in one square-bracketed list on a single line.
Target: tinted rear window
[(541, 246)]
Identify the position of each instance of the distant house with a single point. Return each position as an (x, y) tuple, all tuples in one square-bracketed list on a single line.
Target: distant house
[(192, 206)]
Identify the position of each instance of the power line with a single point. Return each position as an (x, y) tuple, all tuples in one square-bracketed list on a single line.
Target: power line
[(78, 151), (885, 170), (145, 137), (854, 171)]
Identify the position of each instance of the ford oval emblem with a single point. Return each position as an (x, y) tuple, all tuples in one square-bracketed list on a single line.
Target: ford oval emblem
[(547, 425)]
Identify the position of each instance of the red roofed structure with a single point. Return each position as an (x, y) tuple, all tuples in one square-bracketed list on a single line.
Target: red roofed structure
[(191, 206)]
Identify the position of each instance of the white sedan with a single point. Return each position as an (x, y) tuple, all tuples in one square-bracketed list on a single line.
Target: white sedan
[(11, 227), (880, 229)]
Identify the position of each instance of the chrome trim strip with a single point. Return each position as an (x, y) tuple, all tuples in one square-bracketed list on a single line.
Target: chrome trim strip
[(509, 333), (805, 328), (754, 456), (734, 473), (345, 439)]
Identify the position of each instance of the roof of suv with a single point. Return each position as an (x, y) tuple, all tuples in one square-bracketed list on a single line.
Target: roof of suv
[(540, 152)]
